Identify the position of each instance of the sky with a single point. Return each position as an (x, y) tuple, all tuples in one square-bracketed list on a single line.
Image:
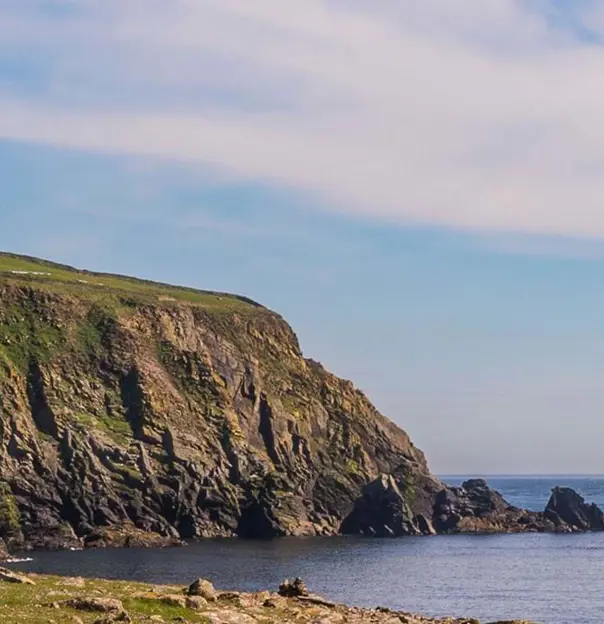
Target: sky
[(417, 187)]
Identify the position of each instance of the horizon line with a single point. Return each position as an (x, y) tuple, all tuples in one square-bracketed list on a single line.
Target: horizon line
[(521, 474)]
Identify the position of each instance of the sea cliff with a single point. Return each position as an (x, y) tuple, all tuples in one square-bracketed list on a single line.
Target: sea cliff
[(134, 413)]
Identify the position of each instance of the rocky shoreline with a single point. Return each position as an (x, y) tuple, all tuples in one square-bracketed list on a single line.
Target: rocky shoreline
[(383, 512), (38, 599), (471, 508)]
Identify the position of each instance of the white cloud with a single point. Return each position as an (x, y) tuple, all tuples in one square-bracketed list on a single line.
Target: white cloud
[(477, 114)]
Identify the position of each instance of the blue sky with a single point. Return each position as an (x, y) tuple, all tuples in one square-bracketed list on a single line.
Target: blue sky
[(416, 187)]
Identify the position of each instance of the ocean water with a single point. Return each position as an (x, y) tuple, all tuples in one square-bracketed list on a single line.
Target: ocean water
[(554, 579)]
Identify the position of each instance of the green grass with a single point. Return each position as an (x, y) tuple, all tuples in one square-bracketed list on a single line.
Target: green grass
[(100, 322), (25, 335), (53, 276), (33, 604), (353, 467), (10, 521), (30, 604), (117, 428), (31, 332), (148, 607)]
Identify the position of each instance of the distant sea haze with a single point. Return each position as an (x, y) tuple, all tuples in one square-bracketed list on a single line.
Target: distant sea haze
[(532, 491)]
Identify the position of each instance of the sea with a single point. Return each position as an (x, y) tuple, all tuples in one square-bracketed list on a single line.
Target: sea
[(553, 579)]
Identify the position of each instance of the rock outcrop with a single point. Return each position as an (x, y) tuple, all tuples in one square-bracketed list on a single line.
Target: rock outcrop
[(8, 576), (384, 510), (566, 508), (476, 508), (293, 589)]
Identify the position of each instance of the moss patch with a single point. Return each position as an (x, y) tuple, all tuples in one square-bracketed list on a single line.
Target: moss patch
[(27, 335), (117, 428), (10, 521)]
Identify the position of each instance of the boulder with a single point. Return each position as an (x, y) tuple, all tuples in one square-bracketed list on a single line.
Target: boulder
[(567, 506), (12, 577), (205, 589), (476, 508), (101, 605), (196, 602), (481, 500), (295, 589)]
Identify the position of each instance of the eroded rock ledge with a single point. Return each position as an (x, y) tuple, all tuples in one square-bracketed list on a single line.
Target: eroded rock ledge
[(87, 601)]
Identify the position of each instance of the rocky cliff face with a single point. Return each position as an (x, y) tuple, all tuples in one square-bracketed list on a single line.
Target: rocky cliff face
[(133, 413), (129, 410)]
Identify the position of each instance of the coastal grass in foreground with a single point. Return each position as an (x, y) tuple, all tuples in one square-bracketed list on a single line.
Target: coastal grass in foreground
[(43, 602), (38, 599)]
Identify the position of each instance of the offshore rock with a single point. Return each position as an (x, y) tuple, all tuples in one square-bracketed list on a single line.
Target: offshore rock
[(567, 507), (128, 537), (476, 508), (472, 507)]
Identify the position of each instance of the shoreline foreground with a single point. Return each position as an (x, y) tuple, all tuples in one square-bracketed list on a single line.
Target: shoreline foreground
[(38, 599)]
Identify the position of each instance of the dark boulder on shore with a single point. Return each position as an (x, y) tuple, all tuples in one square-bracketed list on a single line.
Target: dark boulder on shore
[(293, 589)]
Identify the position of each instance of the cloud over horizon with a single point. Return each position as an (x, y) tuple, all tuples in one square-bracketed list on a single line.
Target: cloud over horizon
[(473, 114)]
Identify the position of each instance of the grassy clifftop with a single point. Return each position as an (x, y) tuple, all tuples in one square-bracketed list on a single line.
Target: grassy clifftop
[(49, 309), (48, 275)]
